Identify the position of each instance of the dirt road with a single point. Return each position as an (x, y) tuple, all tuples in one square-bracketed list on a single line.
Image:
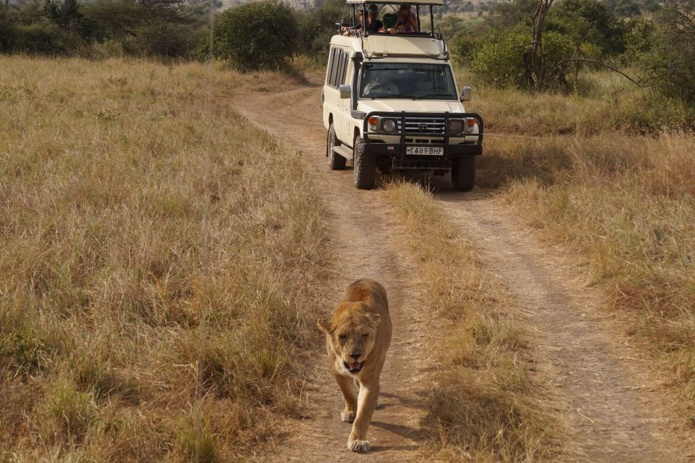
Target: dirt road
[(610, 402)]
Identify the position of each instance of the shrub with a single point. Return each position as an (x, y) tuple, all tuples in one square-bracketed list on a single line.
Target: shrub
[(588, 21), (670, 63), (500, 59), (317, 26), (256, 35), (166, 40)]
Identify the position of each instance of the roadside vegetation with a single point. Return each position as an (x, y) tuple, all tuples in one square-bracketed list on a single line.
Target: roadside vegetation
[(626, 204), (138, 218), (148, 229), (581, 173), (487, 404)]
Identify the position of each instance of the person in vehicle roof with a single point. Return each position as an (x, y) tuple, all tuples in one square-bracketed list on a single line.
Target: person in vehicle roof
[(350, 30), (407, 17), (373, 23)]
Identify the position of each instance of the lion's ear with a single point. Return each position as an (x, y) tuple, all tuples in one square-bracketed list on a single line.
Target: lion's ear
[(374, 318), (324, 326)]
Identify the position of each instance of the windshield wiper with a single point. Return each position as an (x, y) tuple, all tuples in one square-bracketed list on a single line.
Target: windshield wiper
[(437, 95)]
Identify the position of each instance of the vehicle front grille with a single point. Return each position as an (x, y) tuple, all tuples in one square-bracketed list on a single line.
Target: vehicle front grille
[(424, 125)]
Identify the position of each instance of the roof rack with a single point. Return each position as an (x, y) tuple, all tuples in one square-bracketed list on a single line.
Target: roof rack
[(362, 5)]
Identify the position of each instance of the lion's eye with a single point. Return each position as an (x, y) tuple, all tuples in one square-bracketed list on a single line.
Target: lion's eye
[(342, 337), (364, 336)]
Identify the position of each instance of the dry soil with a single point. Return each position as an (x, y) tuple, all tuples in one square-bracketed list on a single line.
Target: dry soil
[(612, 404)]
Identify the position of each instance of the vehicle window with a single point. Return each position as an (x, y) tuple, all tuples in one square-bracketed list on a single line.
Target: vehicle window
[(407, 80), (337, 67)]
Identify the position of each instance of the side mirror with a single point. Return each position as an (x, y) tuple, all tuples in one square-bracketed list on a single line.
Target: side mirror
[(344, 91), (466, 93)]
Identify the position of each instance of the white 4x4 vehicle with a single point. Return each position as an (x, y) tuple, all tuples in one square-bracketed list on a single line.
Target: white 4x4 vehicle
[(390, 102)]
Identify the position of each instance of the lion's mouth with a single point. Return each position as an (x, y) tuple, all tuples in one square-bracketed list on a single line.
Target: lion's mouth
[(354, 367)]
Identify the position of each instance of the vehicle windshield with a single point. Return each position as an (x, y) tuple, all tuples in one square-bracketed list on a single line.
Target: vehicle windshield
[(407, 80)]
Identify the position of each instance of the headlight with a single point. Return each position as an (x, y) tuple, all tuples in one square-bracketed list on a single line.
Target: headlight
[(455, 126), (388, 125)]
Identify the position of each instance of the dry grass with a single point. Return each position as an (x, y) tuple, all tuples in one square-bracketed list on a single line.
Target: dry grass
[(134, 203), (628, 205), (486, 404), (601, 102), (625, 202)]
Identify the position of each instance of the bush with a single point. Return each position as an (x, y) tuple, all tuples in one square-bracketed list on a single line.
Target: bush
[(588, 21), (256, 35), (7, 30), (317, 26), (500, 59), (670, 63), (47, 39), (167, 40)]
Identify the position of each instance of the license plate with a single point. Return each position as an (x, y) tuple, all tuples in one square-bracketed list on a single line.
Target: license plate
[(425, 150)]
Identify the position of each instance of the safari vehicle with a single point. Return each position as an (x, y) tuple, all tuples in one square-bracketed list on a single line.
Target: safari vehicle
[(390, 101)]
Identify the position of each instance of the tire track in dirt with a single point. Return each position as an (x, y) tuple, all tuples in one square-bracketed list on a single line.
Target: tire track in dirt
[(365, 244), (608, 400), (611, 405)]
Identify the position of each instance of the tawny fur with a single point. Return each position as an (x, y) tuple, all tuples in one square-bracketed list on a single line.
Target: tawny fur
[(357, 338)]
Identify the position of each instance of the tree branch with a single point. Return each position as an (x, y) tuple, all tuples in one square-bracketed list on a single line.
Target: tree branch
[(586, 60)]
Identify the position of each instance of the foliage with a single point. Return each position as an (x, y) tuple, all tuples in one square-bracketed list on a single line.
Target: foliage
[(500, 59), (159, 28), (317, 25), (670, 61), (588, 21), (507, 15), (627, 9), (256, 36)]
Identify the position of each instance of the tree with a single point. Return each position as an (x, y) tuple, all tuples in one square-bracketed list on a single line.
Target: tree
[(670, 62), (256, 36), (589, 21), (535, 59), (627, 9), (317, 25)]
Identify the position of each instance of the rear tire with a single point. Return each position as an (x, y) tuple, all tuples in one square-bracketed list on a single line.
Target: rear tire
[(335, 161), (463, 173), (364, 165)]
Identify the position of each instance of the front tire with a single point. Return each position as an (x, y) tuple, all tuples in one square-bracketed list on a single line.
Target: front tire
[(463, 173), (365, 166), (335, 161)]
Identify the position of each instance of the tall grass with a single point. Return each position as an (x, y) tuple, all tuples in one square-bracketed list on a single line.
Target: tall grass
[(578, 169), (486, 405), (599, 102), (622, 200), (628, 205), (134, 202)]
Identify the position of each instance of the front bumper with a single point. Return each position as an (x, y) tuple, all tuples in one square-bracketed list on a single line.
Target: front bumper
[(390, 149)]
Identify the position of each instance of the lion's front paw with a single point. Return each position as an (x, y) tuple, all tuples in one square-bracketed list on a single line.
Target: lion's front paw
[(347, 416), (358, 445)]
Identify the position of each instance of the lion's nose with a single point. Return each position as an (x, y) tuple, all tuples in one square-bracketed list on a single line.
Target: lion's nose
[(355, 356)]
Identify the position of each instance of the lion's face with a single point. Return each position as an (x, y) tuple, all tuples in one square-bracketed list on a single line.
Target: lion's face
[(351, 338)]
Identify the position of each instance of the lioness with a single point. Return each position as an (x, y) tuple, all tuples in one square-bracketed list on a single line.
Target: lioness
[(357, 339)]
